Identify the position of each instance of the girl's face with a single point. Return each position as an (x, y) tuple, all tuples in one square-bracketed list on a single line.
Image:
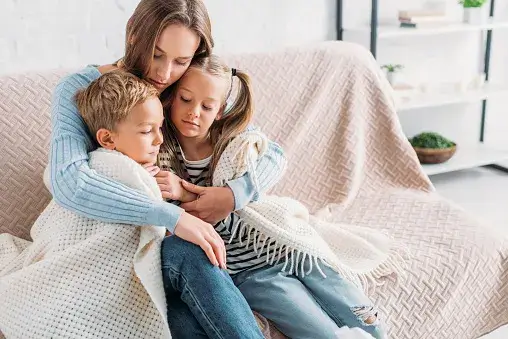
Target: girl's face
[(174, 50), (198, 101)]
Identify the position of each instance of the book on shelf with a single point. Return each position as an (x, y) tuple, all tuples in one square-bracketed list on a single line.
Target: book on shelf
[(408, 25), (423, 20), (417, 18), (404, 24), (420, 14)]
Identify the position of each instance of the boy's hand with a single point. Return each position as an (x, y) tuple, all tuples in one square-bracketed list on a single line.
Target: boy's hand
[(171, 187)]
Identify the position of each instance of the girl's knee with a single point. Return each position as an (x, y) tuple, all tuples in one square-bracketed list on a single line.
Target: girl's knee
[(368, 318)]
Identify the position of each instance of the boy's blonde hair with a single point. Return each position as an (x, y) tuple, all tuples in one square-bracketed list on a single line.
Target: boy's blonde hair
[(235, 119), (109, 99)]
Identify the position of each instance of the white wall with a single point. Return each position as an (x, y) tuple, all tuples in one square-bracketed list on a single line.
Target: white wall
[(39, 34), (68, 33)]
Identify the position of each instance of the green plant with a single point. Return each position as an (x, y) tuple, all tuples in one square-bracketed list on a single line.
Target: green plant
[(472, 3), (430, 140), (392, 68)]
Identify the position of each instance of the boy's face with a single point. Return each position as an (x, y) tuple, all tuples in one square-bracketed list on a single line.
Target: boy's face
[(139, 136), (198, 101)]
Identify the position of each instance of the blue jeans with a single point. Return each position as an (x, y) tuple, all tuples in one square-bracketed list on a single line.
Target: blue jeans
[(308, 307), (202, 300)]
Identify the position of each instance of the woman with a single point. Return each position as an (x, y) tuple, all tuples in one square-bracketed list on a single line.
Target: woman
[(162, 38)]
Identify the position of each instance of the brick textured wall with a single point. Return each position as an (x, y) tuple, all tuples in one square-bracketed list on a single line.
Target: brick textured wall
[(41, 34)]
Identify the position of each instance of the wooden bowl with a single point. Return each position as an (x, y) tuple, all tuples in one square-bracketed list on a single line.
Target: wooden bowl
[(434, 155)]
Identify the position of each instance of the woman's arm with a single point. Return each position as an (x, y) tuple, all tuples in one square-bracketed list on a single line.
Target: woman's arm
[(80, 189)]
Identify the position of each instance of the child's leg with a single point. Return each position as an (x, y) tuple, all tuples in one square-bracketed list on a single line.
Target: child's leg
[(346, 304), (182, 323), (196, 288), (285, 300)]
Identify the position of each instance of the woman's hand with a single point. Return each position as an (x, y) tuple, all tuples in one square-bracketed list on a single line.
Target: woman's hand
[(213, 204), (198, 232), (171, 187)]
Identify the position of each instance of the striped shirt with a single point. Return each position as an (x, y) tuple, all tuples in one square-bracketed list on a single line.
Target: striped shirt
[(239, 257)]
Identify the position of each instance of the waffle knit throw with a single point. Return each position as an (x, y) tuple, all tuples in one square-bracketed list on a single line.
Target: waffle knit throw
[(82, 278)]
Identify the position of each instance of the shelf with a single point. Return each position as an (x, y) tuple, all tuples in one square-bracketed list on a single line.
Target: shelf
[(422, 100), (393, 31), (468, 157)]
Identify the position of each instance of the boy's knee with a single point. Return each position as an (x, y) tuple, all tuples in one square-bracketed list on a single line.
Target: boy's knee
[(175, 251)]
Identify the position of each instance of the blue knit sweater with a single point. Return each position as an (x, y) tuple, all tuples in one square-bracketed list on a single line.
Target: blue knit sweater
[(78, 188)]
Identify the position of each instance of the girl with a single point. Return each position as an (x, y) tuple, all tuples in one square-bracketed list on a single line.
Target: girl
[(200, 127), (162, 38)]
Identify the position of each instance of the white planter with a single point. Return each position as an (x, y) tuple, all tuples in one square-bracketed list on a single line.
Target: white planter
[(392, 77), (475, 16)]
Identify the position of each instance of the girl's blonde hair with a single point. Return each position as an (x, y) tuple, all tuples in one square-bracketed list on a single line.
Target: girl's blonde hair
[(148, 21), (235, 118)]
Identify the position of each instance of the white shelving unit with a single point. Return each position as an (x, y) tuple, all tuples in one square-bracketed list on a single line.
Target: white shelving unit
[(465, 157), (394, 31), (422, 100)]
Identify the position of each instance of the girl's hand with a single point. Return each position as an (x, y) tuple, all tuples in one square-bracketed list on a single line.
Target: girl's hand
[(151, 168), (198, 232), (213, 204), (171, 187)]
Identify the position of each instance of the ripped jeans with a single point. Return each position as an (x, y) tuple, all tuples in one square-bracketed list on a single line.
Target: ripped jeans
[(308, 307)]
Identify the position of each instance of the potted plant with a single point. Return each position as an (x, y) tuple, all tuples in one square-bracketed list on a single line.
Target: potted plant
[(474, 11), (432, 148), (392, 72)]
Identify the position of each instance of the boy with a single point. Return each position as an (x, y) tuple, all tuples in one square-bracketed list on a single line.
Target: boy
[(124, 113)]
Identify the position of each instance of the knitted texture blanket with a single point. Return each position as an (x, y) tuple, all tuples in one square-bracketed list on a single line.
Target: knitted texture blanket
[(286, 229), (82, 278)]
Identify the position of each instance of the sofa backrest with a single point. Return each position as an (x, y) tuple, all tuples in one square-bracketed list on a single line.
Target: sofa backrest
[(24, 143), (318, 102)]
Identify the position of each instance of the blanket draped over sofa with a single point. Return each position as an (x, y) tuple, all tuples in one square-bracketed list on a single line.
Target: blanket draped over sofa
[(331, 109)]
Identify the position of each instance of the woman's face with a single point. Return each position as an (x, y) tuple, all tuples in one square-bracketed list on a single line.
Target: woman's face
[(173, 53)]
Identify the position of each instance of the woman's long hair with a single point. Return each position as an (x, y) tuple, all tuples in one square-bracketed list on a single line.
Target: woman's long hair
[(149, 20)]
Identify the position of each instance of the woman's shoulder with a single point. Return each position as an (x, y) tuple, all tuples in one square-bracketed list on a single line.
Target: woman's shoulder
[(80, 79)]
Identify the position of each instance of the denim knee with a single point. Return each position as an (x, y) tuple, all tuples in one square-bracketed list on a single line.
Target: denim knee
[(175, 251), (368, 318)]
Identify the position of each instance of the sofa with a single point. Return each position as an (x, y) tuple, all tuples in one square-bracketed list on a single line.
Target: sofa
[(332, 111)]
